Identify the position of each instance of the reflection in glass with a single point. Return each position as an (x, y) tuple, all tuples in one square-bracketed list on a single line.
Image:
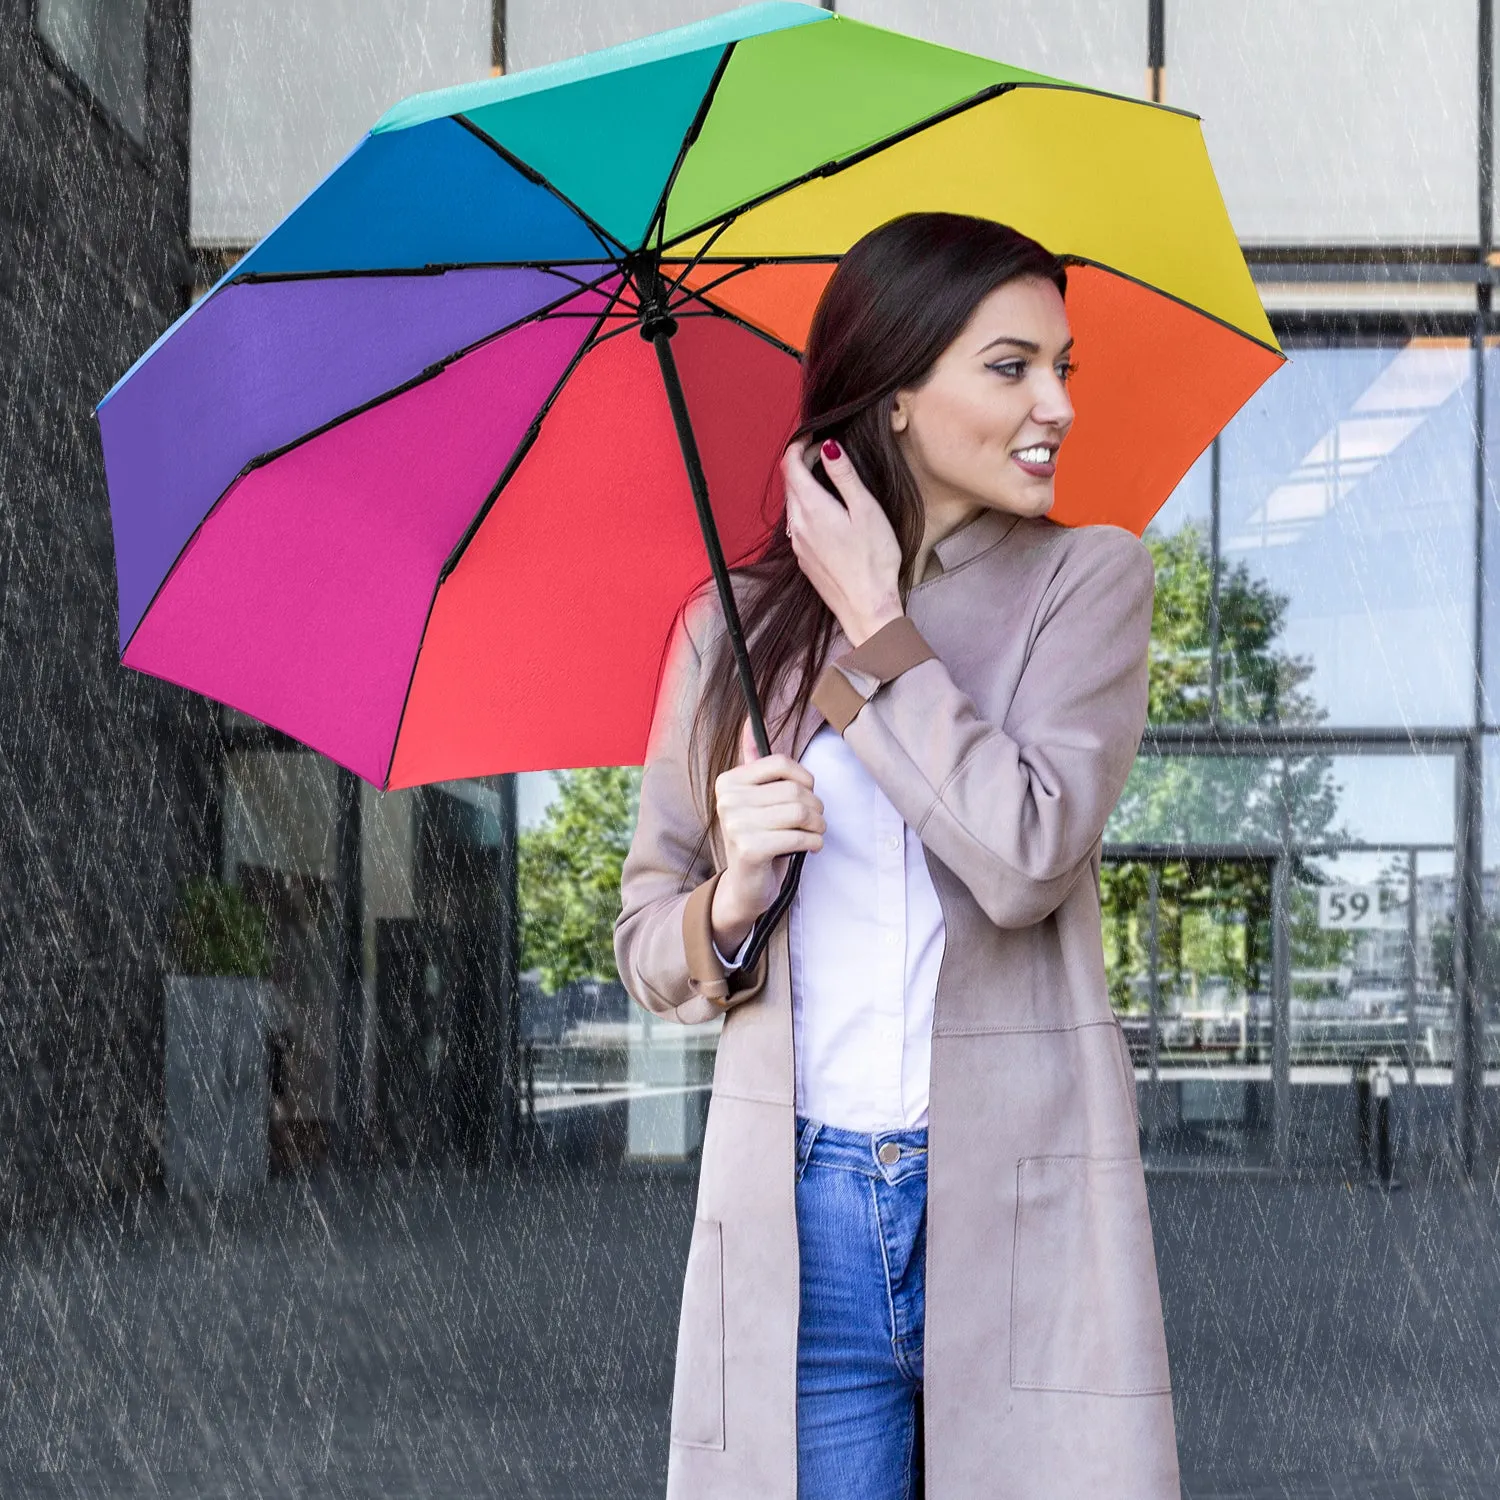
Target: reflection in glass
[(1490, 562), (1182, 669), (103, 42), (602, 1078), (280, 848), (1259, 802), (1489, 949), (1189, 940), (1372, 976), (436, 968), (1347, 512), (1293, 801)]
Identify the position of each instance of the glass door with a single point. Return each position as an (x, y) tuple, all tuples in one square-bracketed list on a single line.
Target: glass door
[(1188, 951)]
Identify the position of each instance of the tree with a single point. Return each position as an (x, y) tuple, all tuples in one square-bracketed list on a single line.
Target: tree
[(1259, 801), (569, 875)]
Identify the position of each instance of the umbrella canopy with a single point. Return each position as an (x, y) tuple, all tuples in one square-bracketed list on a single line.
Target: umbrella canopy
[(407, 483)]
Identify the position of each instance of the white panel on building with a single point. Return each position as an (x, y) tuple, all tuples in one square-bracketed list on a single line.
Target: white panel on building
[(546, 31), (1098, 42), (283, 89), (1345, 122)]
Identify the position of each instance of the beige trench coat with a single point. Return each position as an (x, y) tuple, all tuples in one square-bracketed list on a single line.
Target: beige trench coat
[(1000, 716)]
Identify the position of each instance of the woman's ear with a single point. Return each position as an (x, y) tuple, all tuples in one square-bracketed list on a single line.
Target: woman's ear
[(900, 414)]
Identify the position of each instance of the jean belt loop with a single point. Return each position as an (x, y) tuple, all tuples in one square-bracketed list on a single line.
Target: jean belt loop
[(805, 1138)]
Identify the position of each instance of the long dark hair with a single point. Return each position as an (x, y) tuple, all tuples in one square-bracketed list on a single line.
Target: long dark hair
[(897, 300)]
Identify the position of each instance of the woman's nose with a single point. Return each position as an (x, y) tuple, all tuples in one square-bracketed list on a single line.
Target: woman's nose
[(1054, 407)]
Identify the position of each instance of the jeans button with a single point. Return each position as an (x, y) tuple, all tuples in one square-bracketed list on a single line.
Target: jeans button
[(889, 1153)]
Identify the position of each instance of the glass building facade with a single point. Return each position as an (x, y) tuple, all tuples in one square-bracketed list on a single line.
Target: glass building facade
[(1297, 877)]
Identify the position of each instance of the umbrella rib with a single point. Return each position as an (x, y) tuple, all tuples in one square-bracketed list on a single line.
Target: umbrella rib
[(522, 448), (676, 286), (708, 286), (698, 258), (429, 372), (843, 163), (432, 268), (658, 221), (713, 310), (527, 439), (750, 263), (741, 264), (1099, 265), (605, 238), (710, 310)]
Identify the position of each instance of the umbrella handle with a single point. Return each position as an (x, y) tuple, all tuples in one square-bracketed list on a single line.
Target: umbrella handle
[(760, 933)]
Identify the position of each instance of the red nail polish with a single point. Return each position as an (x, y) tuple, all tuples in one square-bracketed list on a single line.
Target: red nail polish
[(832, 450)]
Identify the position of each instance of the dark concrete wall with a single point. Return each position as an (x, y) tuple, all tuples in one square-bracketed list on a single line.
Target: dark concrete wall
[(105, 789)]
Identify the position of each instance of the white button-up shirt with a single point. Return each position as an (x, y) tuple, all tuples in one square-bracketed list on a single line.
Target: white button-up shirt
[(866, 941)]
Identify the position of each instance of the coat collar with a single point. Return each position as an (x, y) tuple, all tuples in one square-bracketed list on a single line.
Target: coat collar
[(973, 538)]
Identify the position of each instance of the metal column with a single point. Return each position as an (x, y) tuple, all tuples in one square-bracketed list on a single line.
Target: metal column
[(1468, 917), (1411, 969), (1153, 918), (1281, 1007), (351, 1090), (508, 1081)]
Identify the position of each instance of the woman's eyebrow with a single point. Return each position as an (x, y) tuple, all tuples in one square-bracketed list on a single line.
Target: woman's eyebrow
[(1026, 344)]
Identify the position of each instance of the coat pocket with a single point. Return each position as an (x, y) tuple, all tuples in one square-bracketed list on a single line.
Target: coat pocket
[(1085, 1309), (698, 1390)]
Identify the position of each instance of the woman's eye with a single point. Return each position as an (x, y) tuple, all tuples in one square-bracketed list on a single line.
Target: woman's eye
[(1012, 369), (1066, 371)]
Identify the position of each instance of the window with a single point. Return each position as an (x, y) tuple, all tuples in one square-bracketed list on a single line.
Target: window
[(1347, 496), (102, 44)]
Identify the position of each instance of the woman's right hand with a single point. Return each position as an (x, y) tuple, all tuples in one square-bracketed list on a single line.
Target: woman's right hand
[(767, 811)]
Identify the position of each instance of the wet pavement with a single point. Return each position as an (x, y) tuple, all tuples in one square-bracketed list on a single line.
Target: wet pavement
[(433, 1333)]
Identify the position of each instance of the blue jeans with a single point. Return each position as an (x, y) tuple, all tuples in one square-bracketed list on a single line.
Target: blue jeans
[(862, 1226)]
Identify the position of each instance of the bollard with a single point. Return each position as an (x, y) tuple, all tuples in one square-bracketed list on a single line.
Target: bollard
[(1380, 1087)]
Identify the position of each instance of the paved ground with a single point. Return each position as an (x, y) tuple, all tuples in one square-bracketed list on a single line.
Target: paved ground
[(426, 1335)]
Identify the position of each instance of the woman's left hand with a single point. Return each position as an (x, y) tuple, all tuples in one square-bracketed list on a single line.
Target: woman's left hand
[(848, 552)]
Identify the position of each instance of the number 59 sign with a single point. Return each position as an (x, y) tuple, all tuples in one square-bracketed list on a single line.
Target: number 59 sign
[(1349, 906)]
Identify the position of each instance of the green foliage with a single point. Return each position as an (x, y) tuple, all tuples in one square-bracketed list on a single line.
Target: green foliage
[(1257, 683), (570, 875), (1247, 799), (217, 932), (1487, 959), (1213, 916)]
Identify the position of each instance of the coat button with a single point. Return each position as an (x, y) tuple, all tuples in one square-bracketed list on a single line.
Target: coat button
[(889, 1153)]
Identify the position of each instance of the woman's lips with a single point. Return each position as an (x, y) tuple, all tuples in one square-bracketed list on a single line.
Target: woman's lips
[(1037, 471)]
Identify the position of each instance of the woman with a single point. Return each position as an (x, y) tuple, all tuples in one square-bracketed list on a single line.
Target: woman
[(921, 1196)]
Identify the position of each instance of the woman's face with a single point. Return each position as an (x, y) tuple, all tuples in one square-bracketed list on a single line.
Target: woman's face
[(984, 428)]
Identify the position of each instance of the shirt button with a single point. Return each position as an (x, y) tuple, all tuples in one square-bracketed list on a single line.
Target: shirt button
[(889, 1153), (894, 841), (891, 939)]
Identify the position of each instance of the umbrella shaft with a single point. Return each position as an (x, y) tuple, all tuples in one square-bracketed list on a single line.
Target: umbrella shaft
[(661, 338)]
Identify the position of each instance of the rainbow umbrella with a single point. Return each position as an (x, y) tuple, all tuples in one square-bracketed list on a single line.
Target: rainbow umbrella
[(423, 481)]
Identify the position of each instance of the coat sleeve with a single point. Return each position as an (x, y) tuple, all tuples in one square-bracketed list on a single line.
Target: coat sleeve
[(1015, 811), (664, 935)]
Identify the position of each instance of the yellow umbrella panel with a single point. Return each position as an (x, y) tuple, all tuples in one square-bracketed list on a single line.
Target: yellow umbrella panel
[(1171, 335)]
